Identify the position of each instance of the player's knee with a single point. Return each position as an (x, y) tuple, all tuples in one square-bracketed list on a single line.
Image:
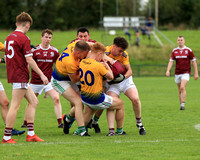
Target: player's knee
[(77, 102), (34, 103), (182, 88), (120, 103), (135, 100), (56, 100), (4, 103)]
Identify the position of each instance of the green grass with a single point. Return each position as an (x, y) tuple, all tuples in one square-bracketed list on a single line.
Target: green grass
[(170, 132)]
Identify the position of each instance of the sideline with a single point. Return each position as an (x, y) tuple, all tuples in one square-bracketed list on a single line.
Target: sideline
[(115, 142)]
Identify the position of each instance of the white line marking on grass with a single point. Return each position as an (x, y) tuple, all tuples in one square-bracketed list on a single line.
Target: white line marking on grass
[(116, 141), (197, 126)]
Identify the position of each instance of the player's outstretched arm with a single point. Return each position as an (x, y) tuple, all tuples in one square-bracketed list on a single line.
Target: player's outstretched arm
[(196, 75), (34, 66)]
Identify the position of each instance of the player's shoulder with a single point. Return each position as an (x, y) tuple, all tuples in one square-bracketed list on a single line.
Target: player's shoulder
[(53, 48), (175, 49), (125, 54), (108, 50), (17, 34), (188, 48), (36, 49)]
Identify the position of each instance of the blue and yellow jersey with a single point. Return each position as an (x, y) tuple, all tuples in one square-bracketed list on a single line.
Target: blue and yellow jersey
[(66, 64), (1, 46), (123, 59), (91, 78)]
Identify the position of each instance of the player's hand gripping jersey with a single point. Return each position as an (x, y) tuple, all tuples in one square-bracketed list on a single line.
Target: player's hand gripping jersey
[(66, 64), (91, 78)]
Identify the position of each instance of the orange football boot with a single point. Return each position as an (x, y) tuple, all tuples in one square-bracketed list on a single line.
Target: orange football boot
[(34, 138), (8, 141)]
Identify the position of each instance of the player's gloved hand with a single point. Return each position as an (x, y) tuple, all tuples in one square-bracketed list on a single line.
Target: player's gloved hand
[(2, 60), (118, 79), (32, 46)]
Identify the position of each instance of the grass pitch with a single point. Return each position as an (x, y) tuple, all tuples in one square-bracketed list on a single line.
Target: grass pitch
[(170, 132)]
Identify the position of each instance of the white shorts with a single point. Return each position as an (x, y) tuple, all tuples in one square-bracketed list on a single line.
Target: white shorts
[(61, 86), (20, 85), (121, 87), (39, 88), (179, 77), (104, 105), (1, 87)]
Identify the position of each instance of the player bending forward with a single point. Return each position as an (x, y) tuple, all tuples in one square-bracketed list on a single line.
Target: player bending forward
[(91, 79)]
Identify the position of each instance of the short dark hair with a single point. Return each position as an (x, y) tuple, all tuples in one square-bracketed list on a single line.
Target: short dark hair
[(82, 30), (82, 45), (121, 42), (48, 31), (180, 36)]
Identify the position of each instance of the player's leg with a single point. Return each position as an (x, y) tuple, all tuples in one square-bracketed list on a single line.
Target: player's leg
[(71, 95), (75, 99), (17, 96), (179, 91), (119, 115), (88, 112), (117, 104), (30, 110), (4, 105), (26, 115), (37, 89), (4, 102), (133, 95), (57, 106), (181, 81), (95, 120), (183, 94)]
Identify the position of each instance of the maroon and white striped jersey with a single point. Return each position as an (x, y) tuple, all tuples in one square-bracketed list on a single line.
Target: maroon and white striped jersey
[(44, 59), (182, 56)]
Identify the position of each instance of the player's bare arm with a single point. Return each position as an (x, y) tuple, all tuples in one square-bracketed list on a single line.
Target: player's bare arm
[(109, 74), (170, 64), (128, 71), (109, 59), (196, 75), (34, 66)]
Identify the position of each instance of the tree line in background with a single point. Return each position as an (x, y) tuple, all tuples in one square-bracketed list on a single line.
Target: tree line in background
[(67, 14)]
